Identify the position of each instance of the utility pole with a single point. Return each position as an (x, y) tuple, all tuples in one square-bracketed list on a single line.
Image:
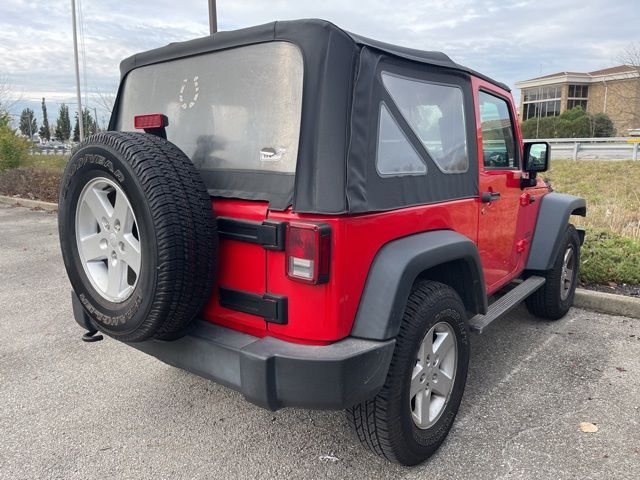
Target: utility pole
[(213, 17), (75, 54)]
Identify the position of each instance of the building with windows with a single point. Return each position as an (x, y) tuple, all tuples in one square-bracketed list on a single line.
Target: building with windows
[(614, 91)]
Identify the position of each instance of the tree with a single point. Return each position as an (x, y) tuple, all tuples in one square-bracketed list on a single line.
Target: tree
[(88, 127), (63, 124), (105, 100), (44, 129), (13, 149), (28, 124), (629, 104), (5, 119), (76, 131), (7, 100)]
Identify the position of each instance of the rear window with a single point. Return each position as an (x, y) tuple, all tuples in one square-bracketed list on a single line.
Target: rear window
[(236, 109)]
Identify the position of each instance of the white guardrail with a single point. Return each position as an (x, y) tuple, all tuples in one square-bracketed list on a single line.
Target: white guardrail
[(41, 150), (606, 148)]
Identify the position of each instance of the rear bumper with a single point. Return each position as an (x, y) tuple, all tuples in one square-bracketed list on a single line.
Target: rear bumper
[(273, 373)]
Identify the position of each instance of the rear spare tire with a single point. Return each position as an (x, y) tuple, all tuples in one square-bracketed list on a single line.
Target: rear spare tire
[(137, 233)]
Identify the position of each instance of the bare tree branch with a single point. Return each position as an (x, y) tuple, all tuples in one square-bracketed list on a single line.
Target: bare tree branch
[(631, 56), (628, 102), (105, 100), (7, 98)]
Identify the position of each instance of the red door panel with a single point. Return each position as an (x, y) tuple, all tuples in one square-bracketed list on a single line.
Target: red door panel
[(497, 226), (499, 152)]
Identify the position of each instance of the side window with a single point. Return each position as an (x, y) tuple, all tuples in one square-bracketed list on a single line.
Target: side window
[(435, 113), (395, 156), (498, 140)]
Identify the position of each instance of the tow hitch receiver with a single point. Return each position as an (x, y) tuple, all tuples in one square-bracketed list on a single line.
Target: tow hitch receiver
[(91, 336)]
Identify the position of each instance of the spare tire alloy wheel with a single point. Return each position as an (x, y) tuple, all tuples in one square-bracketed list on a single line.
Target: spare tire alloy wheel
[(108, 239), (137, 234)]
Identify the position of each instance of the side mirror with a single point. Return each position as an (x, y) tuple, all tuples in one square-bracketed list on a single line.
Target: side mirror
[(536, 157)]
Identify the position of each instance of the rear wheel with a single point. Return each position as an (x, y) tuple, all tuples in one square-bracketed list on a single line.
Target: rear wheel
[(554, 299), (413, 413)]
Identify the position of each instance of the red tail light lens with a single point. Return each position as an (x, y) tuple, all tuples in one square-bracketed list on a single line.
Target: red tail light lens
[(307, 252), (153, 120)]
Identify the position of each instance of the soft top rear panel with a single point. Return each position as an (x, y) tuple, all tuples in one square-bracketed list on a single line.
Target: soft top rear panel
[(327, 181)]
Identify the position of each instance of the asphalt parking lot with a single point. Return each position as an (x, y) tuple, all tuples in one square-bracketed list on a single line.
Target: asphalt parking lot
[(74, 410)]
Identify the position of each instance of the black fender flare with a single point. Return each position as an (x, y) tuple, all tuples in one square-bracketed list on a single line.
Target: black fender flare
[(395, 269), (553, 216)]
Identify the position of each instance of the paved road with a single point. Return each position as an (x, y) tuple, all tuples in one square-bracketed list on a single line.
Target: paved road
[(78, 411)]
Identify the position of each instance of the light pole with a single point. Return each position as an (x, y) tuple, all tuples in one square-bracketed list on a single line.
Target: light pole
[(213, 17), (75, 55)]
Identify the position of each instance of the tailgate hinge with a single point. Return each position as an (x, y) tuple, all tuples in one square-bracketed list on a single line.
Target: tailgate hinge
[(273, 308), (269, 233)]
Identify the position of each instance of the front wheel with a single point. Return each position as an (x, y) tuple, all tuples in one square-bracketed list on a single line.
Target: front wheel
[(554, 299), (415, 409)]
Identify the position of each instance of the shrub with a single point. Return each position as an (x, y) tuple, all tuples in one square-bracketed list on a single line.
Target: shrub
[(574, 123), (610, 257), (13, 149)]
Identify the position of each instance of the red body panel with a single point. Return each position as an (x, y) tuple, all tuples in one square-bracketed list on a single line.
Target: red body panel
[(241, 266), (319, 314), (326, 312)]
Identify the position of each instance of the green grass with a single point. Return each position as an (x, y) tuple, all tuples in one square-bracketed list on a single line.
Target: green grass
[(54, 163), (612, 248)]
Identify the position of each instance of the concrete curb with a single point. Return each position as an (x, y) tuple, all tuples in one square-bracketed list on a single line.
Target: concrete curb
[(607, 303), (25, 202)]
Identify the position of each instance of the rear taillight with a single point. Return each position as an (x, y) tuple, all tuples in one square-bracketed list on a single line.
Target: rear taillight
[(153, 120), (308, 248)]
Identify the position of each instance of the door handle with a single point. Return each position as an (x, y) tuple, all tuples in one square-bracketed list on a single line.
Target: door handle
[(488, 197)]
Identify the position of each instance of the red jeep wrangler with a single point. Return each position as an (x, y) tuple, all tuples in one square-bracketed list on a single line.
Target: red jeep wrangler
[(315, 219)]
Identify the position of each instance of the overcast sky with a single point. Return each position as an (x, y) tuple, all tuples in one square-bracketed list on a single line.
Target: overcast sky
[(507, 40)]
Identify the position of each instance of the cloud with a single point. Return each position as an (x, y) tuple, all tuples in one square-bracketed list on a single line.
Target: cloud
[(508, 40)]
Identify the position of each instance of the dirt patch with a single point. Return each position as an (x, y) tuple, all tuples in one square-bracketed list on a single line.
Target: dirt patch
[(619, 289), (35, 184)]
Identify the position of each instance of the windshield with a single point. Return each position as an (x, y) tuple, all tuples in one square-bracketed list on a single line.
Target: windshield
[(237, 109)]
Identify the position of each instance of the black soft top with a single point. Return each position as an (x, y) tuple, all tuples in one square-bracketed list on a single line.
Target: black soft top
[(270, 31), (335, 171)]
